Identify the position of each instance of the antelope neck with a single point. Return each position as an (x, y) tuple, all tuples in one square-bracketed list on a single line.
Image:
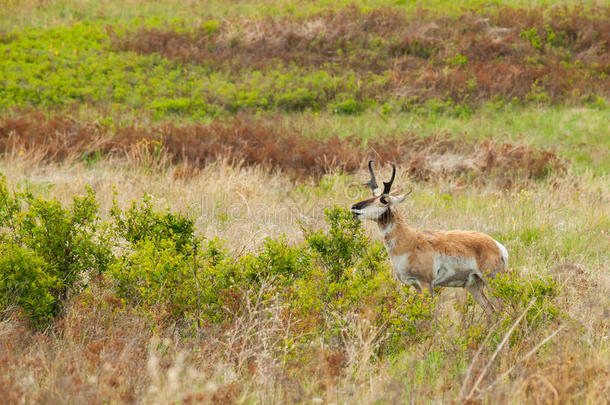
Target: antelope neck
[(394, 229)]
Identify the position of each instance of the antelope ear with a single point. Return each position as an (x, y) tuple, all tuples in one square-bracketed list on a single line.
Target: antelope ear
[(398, 199)]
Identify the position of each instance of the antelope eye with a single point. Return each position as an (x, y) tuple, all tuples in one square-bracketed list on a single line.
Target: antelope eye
[(383, 200)]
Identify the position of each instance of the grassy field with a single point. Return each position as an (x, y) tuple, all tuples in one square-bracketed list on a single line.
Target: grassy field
[(28, 13), (173, 224)]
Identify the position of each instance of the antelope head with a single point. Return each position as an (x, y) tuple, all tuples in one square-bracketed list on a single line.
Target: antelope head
[(380, 204)]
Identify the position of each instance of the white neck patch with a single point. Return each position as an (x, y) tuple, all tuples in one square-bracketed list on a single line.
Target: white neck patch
[(387, 229), (389, 245)]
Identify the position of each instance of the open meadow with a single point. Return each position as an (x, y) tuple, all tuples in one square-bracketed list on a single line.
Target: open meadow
[(176, 180)]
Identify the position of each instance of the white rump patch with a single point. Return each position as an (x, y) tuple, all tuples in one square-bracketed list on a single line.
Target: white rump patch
[(503, 253)]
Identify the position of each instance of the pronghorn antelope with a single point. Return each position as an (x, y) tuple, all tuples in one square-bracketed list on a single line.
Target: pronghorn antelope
[(427, 259)]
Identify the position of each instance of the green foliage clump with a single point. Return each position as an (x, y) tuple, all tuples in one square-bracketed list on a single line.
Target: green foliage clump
[(167, 269), (532, 296), (278, 261), (25, 284), (48, 249), (517, 291), (457, 60), (548, 38), (341, 245), (172, 105), (336, 272), (531, 35), (141, 222), (210, 26), (174, 283), (348, 107)]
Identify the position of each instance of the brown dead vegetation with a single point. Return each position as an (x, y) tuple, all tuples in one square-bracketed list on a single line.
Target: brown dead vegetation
[(562, 52), (265, 141)]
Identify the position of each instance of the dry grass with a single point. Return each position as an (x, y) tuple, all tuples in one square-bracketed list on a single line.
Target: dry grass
[(100, 351), (246, 141)]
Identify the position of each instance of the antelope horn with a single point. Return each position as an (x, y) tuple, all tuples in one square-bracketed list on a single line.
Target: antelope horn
[(372, 183), (388, 185)]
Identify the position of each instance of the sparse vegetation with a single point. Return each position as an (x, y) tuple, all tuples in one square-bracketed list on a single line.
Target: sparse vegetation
[(173, 223)]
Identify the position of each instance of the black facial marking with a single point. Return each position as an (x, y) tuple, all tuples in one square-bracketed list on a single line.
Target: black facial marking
[(362, 204), (386, 217)]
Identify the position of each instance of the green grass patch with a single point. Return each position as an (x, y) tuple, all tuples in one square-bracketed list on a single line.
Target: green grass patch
[(61, 67)]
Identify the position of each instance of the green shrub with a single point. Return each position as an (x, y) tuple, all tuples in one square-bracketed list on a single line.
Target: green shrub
[(156, 275), (25, 284), (54, 247), (549, 37), (555, 38), (531, 35), (537, 94), (297, 100), (277, 260), (179, 284), (342, 245), (457, 60), (141, 222), (349, 107), (335, 273), (210, 26), (595, 101), (172, 105), (516, 292), (67, 239)]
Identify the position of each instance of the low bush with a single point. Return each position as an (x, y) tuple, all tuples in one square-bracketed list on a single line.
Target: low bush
[(173, 284), (342, 245), (517, 292), (526, 308), (348, 107), (48, 250), (25, 284), (141, 222), (277, 261)]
